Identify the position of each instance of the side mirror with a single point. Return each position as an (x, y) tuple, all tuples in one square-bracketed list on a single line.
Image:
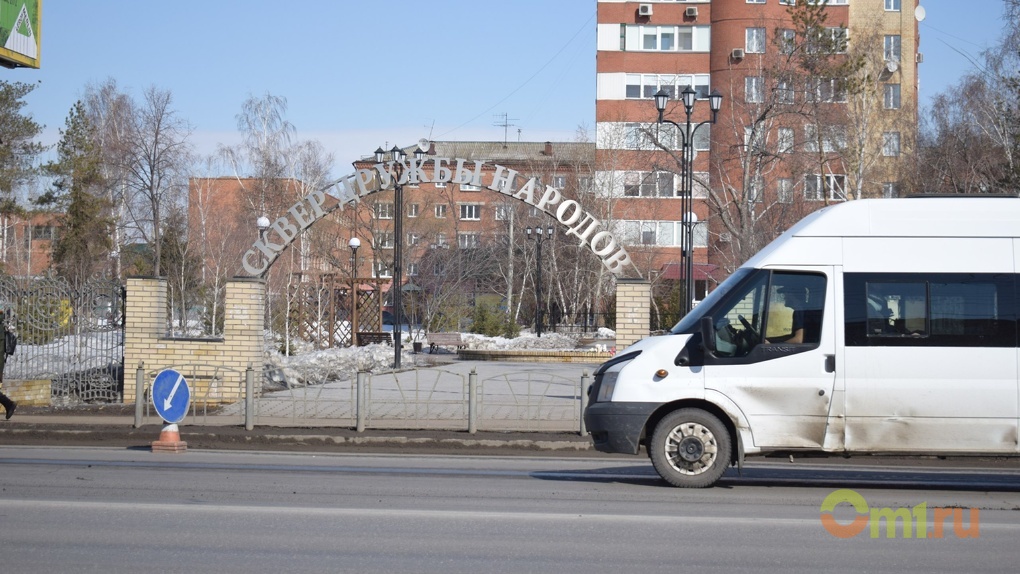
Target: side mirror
[(708, 334)]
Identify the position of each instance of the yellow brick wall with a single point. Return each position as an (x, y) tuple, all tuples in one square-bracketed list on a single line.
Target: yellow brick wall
[(29, 393), (214, 368)]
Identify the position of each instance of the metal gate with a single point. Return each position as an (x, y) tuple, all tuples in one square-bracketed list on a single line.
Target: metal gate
[(73, 337)]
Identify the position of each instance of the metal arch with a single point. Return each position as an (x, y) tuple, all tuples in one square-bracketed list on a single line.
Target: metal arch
[(354, 187)]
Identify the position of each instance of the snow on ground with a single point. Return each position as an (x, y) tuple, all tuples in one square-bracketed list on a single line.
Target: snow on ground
[(308, 366)]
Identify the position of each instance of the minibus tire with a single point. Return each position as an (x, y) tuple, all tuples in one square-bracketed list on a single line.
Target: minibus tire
[(704, 439)]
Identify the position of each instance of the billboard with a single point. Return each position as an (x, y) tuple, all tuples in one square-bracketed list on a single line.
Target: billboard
[(20, 33)]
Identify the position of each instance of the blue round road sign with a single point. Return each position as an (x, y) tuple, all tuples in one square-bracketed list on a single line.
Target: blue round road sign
[(171, 396)]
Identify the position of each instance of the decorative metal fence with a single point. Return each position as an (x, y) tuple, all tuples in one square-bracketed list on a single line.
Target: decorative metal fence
[(429, 398), (72, 336)]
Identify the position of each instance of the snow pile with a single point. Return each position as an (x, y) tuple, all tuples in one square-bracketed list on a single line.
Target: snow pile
[(307, 366)]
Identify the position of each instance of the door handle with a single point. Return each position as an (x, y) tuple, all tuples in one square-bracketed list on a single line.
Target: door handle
[(830, 363)]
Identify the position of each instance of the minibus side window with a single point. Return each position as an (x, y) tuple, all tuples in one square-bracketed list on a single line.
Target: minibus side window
[(938, 310)]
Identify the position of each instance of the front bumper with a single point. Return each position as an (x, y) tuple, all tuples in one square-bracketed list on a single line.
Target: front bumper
[(617, 427)]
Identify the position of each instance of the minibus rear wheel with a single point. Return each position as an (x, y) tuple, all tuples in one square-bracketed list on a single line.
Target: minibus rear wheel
[(690, 448)]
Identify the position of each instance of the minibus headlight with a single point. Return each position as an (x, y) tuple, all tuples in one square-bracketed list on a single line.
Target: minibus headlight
[(607, 386)]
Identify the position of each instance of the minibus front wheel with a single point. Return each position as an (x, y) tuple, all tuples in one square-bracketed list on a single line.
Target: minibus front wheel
[(690, 448)]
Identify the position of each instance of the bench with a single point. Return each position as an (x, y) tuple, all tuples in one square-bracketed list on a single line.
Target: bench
[(444, 339), (368, 338)]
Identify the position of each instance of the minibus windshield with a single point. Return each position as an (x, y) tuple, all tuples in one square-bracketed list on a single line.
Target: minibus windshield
[(689, 322)]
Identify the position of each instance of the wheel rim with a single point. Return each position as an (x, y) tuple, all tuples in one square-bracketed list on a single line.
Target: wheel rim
[(691, 448)]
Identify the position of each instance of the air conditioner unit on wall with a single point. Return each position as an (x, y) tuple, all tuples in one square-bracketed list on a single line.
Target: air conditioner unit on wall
[(691, 12), (737, 54), (644, 9), (919, 57)]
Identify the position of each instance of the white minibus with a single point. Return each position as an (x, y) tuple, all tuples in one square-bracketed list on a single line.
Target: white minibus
[(871, 326)]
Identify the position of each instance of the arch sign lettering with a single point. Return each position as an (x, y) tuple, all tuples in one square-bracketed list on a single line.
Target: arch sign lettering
[(350, 189)]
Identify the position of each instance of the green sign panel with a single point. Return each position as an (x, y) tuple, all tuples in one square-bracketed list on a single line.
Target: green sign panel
[(20, 33)]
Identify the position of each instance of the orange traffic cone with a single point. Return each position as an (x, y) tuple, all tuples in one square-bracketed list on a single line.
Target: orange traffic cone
[(169, 440)]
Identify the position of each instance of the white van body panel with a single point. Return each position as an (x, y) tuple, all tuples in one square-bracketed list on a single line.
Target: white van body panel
[(917, 399), (643, 385)]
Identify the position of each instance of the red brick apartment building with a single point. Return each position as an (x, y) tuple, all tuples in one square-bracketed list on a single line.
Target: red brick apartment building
[(28, 244), (788, 138)]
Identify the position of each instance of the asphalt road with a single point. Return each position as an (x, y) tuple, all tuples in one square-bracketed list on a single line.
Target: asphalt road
[(127, 509)]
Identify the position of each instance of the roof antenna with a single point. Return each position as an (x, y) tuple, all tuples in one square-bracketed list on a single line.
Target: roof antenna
[(506, 125)]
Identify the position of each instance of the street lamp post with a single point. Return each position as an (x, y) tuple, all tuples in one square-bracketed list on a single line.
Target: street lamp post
[(537, 233), (354, 244), (687, 217), (397, 157)]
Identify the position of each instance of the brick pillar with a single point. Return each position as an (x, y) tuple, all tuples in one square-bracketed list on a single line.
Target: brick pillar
[(243, 325), (633, 315), (144, 323)]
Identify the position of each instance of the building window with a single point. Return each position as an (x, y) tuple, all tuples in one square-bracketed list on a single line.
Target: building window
[(784, 92), (890, 189), (785, 140), (43, 232), (643, 86), (755, 41), (784, 190), (891, 144), (703, 138), (753, 90), (892, 96), (470, 212), (440, 239), (816, 187), (660, 233), (892, 48), (787, 40), (648, 184), (827, 90), (413, 238), (810, 138), (469, 187), (754, 140), (383, 210), (440, 211), (892, 5), (468, 240), (383, 239), (440, 184), (755, 1), (382, 269), (700, 185), (559, 181), (412, 269), (667, 38), (755, 191), (412, 210), (502, 212)]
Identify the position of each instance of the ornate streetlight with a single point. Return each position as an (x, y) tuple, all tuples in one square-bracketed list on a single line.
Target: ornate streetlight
[(354, 244), (687, 217), (537, 233), (397, 157)]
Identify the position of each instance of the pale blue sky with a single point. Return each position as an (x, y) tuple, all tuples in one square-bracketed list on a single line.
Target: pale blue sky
[(359, 74)]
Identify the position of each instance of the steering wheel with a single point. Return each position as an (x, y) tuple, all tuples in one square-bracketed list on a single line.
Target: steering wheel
[(750, 329)]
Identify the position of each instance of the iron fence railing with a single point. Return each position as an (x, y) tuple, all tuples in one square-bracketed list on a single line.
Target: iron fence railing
[(73, 336)]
